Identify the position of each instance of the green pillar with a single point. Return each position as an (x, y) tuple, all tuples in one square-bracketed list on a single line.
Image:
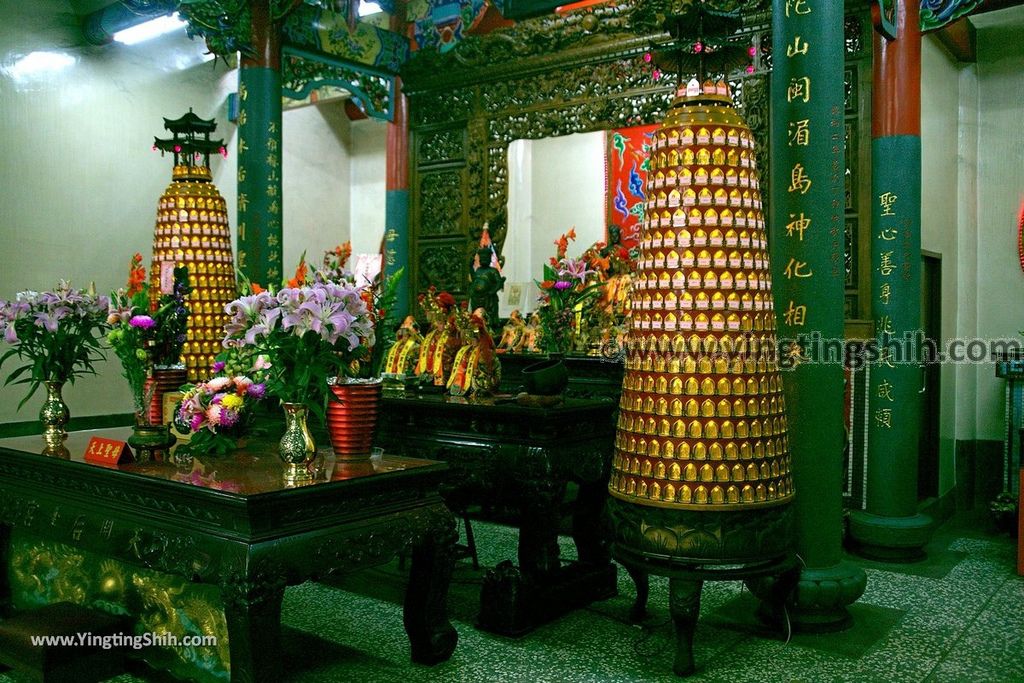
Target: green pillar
[(807, 173), (890, 527), (260, 200)]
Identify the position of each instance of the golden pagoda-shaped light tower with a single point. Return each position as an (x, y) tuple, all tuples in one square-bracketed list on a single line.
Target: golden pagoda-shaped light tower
[(192, 230), (700, 484)]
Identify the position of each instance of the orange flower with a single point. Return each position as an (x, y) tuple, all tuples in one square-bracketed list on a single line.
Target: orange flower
[(136, 275), (300, 275), (547, 284), (256, 289)]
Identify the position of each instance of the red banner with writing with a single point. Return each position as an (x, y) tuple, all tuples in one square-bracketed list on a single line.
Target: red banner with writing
[(626, 167)]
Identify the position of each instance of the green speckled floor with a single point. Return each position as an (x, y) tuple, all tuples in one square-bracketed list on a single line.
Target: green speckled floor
[(959, 616)]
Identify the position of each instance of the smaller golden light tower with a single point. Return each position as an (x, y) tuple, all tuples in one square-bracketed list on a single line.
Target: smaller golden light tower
[(192, 230)]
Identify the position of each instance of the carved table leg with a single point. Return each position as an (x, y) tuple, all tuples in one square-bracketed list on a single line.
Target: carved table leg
[(638, 612), (538, 531), (589, 530), (252, 610), (431, 635), (684, 606)]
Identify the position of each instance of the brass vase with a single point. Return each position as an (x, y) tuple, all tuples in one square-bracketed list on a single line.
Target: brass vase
[(297, 448), (54, 415)]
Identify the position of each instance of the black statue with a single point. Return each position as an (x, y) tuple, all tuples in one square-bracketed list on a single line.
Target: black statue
[(485, 285)]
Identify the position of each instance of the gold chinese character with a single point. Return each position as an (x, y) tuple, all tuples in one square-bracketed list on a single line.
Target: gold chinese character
[(885, 358), (798, 6), (883, 417), (797, 225), (799, 47), (243, 92), (273, 274), (800, 132), (242, 117), (243, 202), (273, 255), (272, 160), (241, 174), (274, 207), (888, 234), (241, 260), (885, 325), (799, 89), (887, 200), (796, 315), (795, 269), (885, 390), (272, 241), (241, 230), (799, 180), (391, 257), (271, 190), (885, 294), (887, 266), (272, 145), (242, 147), (272, 127)]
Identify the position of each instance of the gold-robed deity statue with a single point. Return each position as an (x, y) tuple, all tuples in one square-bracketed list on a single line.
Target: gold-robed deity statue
[(439, 346), (513, 332), (403, 355), (477, 369)]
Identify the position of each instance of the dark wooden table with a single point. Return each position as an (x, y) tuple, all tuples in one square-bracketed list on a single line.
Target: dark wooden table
[(248, 533), (505, 455)]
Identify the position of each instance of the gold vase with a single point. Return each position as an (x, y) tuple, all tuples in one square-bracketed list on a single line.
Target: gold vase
[(297, 448), (54, 415)]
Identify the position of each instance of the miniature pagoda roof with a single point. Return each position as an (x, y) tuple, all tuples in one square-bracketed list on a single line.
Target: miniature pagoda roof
[(190, 123), (188, 145)]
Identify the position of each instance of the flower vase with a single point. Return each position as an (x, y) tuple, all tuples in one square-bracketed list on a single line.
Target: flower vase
[(352, 417), (164, 380), (54, 415), (297, 449)]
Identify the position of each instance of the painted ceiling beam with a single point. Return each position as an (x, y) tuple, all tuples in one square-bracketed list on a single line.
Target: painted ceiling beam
[(100, 26)]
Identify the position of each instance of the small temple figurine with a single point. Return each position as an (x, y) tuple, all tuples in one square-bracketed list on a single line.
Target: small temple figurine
[(486, 280), (530, 341), (513, 331), (403, 355), (439, 346), (477, 369)]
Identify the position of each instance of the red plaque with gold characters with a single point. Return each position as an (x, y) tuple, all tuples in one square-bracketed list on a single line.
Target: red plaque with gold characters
[(703, 420), (101, 451)]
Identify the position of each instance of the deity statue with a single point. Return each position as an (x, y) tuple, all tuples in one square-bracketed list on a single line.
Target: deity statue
[(512, 332), (530, 341), (438, 349), (402, 356), (476, 369), (485, 284)]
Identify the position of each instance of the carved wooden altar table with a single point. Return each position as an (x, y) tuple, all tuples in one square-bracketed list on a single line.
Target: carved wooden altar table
[(246, 532), (511, 456)]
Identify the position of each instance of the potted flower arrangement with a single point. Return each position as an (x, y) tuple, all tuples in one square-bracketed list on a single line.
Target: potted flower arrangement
[(138, 336), (57, 336), (309, 333), (564, 291), (218, 412)]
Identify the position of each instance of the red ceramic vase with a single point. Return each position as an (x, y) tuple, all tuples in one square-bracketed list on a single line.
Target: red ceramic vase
[(166, 380), (352, 417)]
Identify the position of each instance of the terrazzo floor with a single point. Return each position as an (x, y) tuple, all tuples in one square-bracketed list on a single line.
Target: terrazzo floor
[(958, 616)]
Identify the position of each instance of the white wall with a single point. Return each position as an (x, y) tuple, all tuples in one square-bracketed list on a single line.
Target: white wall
[(1000, 190), (566, 188), (316, 164), (79, 182), (367, 185), (939, 178)]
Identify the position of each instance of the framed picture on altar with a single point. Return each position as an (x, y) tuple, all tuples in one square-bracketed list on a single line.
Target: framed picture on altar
[(170, 402), (515, 294)]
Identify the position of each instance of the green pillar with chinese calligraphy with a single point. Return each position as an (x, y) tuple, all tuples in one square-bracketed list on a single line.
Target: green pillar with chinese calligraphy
[(396, 206), (807, 173), (890, 527), (259, 151)]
